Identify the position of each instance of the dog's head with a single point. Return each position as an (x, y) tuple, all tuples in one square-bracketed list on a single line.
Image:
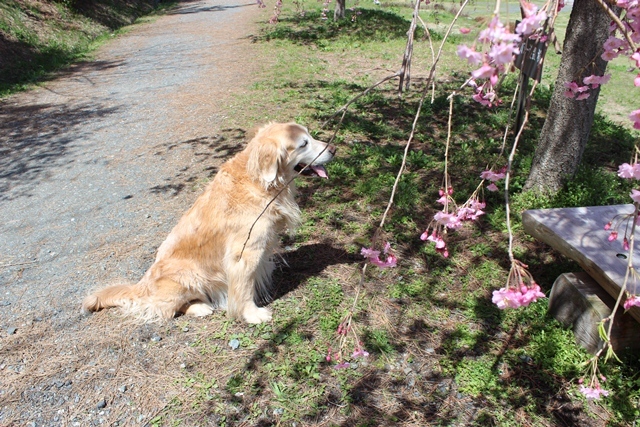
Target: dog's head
[(279, 150)]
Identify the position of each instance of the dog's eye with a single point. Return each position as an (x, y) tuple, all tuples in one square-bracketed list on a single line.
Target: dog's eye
[(304, 143)]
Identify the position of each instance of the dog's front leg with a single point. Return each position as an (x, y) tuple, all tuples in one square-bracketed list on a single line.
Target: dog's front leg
[(244, 274)]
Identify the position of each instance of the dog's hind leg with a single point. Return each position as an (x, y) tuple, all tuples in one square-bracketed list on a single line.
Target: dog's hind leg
[(167, 298), (198, 309)]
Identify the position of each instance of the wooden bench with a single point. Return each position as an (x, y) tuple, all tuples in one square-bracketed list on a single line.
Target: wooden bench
[(581, 300)]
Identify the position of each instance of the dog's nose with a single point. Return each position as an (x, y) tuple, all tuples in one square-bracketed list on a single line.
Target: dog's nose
[(332, 149)]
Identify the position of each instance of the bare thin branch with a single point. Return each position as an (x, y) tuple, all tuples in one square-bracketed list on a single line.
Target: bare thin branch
[(417, 116)]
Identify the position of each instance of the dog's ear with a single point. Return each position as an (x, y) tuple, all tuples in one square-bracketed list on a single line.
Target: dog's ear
[(265, 159)]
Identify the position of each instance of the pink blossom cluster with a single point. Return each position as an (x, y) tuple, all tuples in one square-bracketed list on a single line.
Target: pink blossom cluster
[(514, 298), (358, 352), (489, 175), (582, 92), (593, 393), (632, 301), (451, 219), (373, 256), (521, 289), (277, 8), (614, 225), (502, 45), (616, 45), (630, 171)]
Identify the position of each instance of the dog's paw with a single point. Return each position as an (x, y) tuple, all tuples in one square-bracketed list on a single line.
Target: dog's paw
[(199, 309), (257, 315)]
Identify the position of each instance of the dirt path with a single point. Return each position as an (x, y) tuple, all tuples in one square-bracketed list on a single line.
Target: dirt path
[(95, 168)]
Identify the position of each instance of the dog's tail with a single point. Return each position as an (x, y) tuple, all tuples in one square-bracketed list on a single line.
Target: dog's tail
[(112, 296)]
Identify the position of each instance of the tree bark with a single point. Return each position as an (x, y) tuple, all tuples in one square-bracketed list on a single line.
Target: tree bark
[(338, 12), (566, 129)]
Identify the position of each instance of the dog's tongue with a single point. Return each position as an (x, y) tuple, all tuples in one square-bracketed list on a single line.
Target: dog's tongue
[(321, 171)]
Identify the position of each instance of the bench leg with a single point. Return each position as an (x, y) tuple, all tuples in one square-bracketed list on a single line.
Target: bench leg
[(579, 302)]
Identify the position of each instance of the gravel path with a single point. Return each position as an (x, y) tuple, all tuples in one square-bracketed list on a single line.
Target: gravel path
[(95, 168)]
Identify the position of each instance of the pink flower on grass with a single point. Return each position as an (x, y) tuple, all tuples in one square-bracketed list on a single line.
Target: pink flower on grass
[(492, 176), (531, 23), (492, 187), (484, 99), (635, 118), (632, 301), (502, 53), (636, 57), (514, 298), (343, 365), (390, 262), (373, 257), (441, 245), (465, 30), (593, 393), (626, 170), (360, 352), (469, 54), (483, 72), (449, 220)]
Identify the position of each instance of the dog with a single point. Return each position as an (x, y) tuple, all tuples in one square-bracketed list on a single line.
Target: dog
[(219, 255)]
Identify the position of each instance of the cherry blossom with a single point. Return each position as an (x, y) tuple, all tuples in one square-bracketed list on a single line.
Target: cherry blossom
[(473, 57), (531, 23), (373, 257), (360, 352), (593, 393), (632, 301), (492, 176), (575, 91), (595, 81), (635, 196), (521, 289), (635, 118), (484, 72), (514, 298), (627, 171), (441, 245)]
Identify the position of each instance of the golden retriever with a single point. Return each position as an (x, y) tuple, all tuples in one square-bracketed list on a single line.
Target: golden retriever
[(220, 252)]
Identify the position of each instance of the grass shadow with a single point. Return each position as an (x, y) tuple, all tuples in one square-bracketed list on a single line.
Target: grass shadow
[(369, 25)]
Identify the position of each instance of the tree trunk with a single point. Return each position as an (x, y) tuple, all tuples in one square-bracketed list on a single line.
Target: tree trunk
[(568, 123), (338, 12)]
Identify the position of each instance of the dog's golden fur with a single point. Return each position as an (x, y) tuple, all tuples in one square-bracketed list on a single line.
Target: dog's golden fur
[(207, 261)]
